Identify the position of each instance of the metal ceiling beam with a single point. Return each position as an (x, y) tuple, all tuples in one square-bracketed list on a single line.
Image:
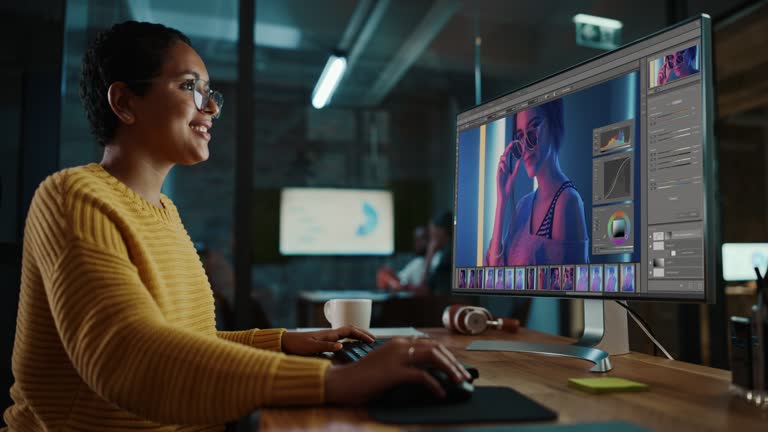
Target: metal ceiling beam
[(355, 22), (371, 24), (418, 41)]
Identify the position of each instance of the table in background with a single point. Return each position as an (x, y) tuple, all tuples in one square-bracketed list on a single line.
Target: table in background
[(309, 304), (682, 396)]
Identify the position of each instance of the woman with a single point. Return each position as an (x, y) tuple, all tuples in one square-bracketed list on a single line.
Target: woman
[(547, 226), (116, 318), (678, 65), (611, 281)]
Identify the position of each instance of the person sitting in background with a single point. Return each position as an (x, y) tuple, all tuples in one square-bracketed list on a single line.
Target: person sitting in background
[(435, 275), (411, 274), (116, 324), (439, 257)]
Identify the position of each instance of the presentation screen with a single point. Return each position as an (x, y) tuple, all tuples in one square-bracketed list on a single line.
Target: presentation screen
[(740, 260), (320, 221)]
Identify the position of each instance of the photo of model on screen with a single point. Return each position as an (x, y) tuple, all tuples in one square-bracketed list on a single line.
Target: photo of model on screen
[(489, 278), (471, 281), (611, 278), (462, 278), (554, 281), (678, 65), (568, 278), (546, 226), (582, 283)]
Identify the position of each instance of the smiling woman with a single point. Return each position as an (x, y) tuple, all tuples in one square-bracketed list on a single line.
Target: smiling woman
[(116, 326)]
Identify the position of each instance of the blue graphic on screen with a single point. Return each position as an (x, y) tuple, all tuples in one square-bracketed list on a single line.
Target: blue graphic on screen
[(537, 172), (371, 220)]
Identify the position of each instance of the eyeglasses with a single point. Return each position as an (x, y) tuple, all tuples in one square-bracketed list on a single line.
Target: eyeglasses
[(674, 59), (202, 94), (531, 138)]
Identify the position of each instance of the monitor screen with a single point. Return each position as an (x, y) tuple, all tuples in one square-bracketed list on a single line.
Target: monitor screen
[(596, 181), (740, 260), (319, 221)]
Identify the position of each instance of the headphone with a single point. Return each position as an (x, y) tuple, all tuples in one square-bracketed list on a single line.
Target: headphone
[(474, 320)]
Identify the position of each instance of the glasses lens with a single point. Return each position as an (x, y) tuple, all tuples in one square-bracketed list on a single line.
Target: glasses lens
[(200, 99), (203, 96), (670, 59)]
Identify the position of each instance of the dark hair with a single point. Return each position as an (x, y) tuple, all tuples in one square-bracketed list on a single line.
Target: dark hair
[(692, 51), (444, 221), (128, 52)]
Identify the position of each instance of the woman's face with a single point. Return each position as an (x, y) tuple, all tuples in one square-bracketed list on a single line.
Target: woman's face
[(533, 124), (167, 119), (683, 66)]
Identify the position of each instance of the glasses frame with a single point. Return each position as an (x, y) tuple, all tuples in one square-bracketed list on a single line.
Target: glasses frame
[(205, 96), (672, 60), (530, 144)]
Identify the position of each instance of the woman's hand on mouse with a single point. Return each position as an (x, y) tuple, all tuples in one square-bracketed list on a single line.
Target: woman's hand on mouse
[(397, 361)]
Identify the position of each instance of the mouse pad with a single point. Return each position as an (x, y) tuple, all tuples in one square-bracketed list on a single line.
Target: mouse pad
[(488, 404)]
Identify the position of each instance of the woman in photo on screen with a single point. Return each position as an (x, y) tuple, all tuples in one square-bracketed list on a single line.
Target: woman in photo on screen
[(500, 278), (611, 279), (546, 226), (462, 278), (629, 279), (678, 65), (568, 279), (116, 324), (583, 282), (597, 280), (489, 278), (555, 284), (471, 282)]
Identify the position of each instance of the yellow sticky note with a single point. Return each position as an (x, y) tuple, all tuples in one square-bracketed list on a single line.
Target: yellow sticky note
[(606, 385)]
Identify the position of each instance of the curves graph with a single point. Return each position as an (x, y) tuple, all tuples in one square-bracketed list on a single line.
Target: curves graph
[(617, 180)]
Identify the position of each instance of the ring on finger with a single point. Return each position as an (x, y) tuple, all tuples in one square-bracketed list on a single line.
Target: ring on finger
[(411, 354)]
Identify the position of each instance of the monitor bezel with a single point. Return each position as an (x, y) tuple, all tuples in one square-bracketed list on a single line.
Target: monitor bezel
[(709, 151)]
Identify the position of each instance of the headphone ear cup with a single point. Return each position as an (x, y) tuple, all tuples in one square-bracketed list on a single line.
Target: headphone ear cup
[(475, 321), (450, 315)]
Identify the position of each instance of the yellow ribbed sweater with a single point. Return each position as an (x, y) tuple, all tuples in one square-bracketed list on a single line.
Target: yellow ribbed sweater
[(116, 323)]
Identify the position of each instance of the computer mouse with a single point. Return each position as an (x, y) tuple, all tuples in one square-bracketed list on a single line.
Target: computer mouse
[(416, 394)]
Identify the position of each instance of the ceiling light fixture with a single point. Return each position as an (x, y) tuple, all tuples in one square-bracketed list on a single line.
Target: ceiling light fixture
[(598, 21), (329, 80)]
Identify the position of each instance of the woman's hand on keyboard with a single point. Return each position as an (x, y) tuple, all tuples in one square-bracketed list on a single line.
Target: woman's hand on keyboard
[(395, 362), (313, 342)]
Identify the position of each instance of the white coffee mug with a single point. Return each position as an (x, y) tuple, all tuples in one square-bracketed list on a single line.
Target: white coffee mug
[(354, 312)]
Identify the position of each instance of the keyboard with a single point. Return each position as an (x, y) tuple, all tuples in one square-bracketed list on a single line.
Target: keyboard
[(356, 350)]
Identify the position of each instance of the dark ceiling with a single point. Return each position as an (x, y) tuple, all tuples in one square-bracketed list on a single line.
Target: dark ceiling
[(394, 46)]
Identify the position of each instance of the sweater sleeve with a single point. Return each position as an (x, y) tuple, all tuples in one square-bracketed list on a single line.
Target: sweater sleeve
[(123, 348), (268, 339)]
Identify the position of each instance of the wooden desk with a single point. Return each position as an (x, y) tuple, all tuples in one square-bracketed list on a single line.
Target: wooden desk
[(682, 396)]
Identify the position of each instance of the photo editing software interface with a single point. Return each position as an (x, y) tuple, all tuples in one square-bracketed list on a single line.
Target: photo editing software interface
[(590, 182)]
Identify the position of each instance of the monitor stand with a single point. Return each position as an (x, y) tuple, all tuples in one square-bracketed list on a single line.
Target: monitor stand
[(605, 334)]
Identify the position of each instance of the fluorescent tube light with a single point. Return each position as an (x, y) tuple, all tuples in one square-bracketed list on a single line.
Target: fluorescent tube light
[(598, 21), (329, 80)]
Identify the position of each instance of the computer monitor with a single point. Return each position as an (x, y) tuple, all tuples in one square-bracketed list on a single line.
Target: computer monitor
[(603, 173), (740, 260), (325, 221)]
